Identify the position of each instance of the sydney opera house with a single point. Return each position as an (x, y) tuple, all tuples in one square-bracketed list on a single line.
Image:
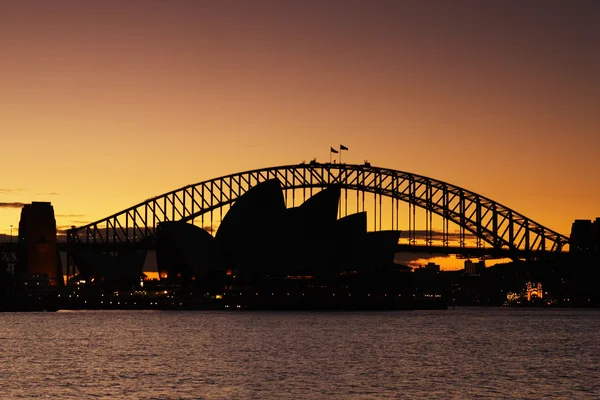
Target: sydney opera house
[(263, 255), (259, 237)]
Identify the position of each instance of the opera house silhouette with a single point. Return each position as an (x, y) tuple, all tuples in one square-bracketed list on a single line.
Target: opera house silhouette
[(123, 270), (260, 237), (263, 256)]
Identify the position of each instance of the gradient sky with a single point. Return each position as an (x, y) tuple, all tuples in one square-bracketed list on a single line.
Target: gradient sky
[(106, 103)]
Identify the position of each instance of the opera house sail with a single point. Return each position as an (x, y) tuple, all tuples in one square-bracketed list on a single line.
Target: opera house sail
[(260, 237)]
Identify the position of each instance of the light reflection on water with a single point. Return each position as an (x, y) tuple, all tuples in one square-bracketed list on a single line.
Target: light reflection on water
[(462, 353)]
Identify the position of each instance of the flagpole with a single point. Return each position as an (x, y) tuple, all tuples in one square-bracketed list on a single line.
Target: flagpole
[(342, 148)]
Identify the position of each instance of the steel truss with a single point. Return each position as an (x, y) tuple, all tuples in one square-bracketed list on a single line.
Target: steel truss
[(491, 223)]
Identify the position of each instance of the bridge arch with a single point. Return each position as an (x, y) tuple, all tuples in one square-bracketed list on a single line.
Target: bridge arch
[(490, 222)]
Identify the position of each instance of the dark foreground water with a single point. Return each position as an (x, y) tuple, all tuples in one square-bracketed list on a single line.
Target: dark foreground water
[(462, 353)]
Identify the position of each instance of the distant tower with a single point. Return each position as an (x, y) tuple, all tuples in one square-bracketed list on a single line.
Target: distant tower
[(37, 242), (472, 268), (469, 268)]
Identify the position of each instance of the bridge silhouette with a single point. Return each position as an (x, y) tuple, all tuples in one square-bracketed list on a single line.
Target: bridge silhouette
[(482, 227)]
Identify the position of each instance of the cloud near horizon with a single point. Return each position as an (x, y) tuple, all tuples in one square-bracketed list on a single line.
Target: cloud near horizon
[(7, 190), (11, 205)]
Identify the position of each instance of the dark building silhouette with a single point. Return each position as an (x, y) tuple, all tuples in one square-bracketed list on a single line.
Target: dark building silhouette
[(123, 270), (252, 234), (584, 249), (37, 243), (349, 231), (260, 236), (585, 236), (474, 269), (186, 251), (313, 245)]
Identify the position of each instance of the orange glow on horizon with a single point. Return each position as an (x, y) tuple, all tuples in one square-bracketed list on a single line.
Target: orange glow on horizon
[(151, 275), (452, 263)]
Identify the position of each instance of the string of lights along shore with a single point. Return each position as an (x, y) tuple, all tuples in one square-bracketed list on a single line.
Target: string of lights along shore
[(333, 151)]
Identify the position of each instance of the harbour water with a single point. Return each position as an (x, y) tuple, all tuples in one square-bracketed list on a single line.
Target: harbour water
[(461, 353)]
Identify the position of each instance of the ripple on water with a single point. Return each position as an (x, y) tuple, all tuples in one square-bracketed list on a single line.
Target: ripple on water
[(462, 353)]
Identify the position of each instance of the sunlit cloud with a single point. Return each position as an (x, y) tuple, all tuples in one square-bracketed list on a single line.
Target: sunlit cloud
[(80, 222), (11, 205), (10, 190)]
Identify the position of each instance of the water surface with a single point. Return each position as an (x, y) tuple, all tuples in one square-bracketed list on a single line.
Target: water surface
[(462, 353)]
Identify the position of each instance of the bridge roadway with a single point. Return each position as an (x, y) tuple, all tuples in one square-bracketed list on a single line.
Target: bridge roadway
[(461, 251), (7, 248)]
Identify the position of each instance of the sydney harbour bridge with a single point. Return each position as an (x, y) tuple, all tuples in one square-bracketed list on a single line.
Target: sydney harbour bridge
[(434, 217)]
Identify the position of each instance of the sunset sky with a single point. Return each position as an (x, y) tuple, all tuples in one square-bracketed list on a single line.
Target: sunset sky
[(106, 103)]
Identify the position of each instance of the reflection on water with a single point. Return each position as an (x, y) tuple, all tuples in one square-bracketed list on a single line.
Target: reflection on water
[(462, 353)]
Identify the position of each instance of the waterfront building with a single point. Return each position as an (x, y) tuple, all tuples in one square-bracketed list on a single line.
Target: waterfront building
[(37, 243), (585, 236), (474, 269), (512, 297), (433, 267), (584, 249), (122, 270), (534, 291)]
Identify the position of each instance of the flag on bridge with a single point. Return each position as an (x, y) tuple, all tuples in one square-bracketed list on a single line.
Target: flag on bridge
[(342, 147), (331, 150)]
